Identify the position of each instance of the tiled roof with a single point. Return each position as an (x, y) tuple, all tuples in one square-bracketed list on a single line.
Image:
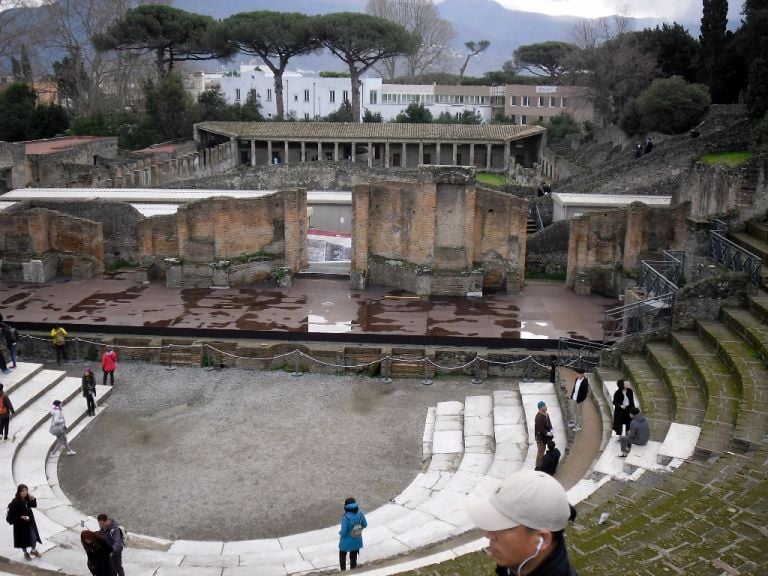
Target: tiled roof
[(363, 132)]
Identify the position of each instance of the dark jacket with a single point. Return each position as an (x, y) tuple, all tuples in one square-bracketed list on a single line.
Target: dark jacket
[(8, 406), (621, 415), (557, 564), (111, 534), (639, 431), (541, 425), (583, 390), (89, 384), (99, 561), (22, 538), (9, 333), (549, 462)]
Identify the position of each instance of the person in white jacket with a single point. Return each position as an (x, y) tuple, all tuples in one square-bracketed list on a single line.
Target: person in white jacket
[(59, 429)]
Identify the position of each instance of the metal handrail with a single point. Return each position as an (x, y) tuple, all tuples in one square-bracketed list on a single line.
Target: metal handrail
[(577, 354), (731, 255), (641, 317)]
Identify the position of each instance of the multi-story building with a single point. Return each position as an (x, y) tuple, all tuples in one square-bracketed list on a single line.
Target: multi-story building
[(525, 104)]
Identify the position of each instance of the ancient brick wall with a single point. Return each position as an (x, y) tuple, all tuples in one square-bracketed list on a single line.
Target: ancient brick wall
[(14, 168), (546, 251)]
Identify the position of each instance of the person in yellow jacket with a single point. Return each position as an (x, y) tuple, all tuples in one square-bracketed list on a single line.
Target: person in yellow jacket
[(59, 339)]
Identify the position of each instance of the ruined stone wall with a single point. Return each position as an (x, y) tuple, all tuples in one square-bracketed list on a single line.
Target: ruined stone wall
[(158, 238), (741, 192), (119, 221), (547, 250), (14, 168), (500, 239)]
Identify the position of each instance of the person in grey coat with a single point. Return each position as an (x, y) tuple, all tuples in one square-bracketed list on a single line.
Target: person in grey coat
[(639, 432)]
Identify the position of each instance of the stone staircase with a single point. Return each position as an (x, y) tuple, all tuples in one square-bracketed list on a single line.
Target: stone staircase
[(755, 239), (469, 447)]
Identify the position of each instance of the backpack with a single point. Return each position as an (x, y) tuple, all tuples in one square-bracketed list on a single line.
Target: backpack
[(357, 529), (58, 338), (123, 532), (3, 408), (14, 334)]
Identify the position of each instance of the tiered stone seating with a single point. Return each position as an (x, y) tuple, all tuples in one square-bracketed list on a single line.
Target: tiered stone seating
[(652, 393)]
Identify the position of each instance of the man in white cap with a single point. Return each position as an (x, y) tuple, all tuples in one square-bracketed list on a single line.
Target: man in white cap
[(525, 522)]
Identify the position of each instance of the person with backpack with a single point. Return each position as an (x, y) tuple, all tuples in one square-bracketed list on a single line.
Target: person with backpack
[(11, 336), (351, 532), (109, 365), (21, 517), (112, 534), (89, 390), (6, 409), (59, 339)]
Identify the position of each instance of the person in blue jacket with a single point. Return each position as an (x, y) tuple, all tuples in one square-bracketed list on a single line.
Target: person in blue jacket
[(352, 524)]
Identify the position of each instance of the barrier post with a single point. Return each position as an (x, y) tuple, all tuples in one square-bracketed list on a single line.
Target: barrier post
[(426, 381), (477, 377), (386, 370), (528, 370), (296, 372), (170, 358)]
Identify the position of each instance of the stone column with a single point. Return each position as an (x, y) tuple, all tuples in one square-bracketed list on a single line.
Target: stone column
[(285, 160), (386, 154), (488, 153), (404, 161), (438, 160), (269, 151), (370, 154), (454, 154), (335, 151), (352, 155), (472, 154), (506, 156), (253, 152), (303, 151), (360, 209), (421, 153)]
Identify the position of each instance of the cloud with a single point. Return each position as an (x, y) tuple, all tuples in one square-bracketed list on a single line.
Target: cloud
[(675, 10)]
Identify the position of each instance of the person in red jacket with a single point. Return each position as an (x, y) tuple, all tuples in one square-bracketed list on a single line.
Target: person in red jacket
[(109, 365)]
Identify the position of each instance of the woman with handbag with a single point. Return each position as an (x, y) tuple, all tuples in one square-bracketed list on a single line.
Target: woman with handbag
[(25, 534), (352, 524), (59, 429)]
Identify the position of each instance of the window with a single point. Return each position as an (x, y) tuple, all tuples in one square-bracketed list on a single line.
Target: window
[(253, 95), (512, 118), (345, 95), (563, 103), (332, 96), (237, 94), (513, 100), (306, 95), (525, 101), (306, 115), (269, 94), (523, 121), (541, 118), (295, 97), (541, 101), (552, 102), (373, 97)]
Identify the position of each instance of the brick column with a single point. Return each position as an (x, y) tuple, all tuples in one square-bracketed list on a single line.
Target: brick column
[(370, 154), (359, 258), (472, 154), (488, 153)]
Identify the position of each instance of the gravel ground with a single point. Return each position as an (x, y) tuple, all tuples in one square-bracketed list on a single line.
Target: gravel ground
[(241, 454)]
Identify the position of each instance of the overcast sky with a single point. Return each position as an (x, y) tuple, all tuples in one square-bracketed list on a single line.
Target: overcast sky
[(679, 10)]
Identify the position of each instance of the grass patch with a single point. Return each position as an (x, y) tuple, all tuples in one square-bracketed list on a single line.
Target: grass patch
[(536, 275), (725, 159), (491, 178)]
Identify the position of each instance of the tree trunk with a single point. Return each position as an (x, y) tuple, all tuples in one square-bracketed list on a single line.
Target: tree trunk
[(354, 77), (279, 94)]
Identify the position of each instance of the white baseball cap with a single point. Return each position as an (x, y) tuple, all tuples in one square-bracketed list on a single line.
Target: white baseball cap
[(527, 498)]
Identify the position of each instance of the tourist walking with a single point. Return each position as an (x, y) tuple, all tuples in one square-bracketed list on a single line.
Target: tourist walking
[(59, 429), (11, 336), (20, 515), (577, 396), (623, 400), (99, 553), (109, 365), (639, 432), (59, 340), (6, 409), (109, 530), (352, 523), (542, 430), (524, 521), (89, 390)]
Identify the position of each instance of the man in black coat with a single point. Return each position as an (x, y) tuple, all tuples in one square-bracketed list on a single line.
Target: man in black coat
[(578, 395)]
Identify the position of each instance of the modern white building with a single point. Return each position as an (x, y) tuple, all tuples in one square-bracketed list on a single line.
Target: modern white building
[(566, 206)]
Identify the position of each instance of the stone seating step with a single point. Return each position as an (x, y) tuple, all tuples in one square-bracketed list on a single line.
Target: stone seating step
[(427, 437), (448, 437), (758, 229), (680, 443), (531, 393), (651, 392), (758, 305), (720, 389), (689, 405), (751, 376), (751, 328), (755, 245), (19, 375)]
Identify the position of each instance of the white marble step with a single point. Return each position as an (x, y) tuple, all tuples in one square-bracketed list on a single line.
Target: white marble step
[(429, 432), (18, 375), (448, 437), (532, 393), (34, 386)]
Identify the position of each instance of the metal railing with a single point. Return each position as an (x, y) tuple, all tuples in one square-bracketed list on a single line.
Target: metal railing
[(660, 277), (649, 315), (731, 255), (577, 354), (535, 214)]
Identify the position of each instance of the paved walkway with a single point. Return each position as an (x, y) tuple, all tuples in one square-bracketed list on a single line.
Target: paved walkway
[(543, 310)]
